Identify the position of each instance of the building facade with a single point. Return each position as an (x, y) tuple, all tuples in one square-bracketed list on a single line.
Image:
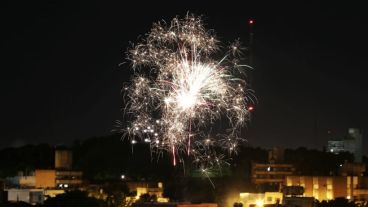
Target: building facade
[(150, 188), (352, 143), (270, 173), (331, 187), (45, 179), (260, 199), (22, 181), (68, 178), (31, 196)]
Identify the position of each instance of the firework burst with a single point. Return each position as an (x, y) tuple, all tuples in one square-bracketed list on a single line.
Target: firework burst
[(182, 99)]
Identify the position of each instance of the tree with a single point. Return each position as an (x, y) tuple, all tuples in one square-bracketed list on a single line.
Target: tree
[(338, 202), (116, 194), (17, 204), (144, 198)]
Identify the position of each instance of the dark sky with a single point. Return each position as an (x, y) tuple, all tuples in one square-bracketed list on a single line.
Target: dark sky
[(60, 78)]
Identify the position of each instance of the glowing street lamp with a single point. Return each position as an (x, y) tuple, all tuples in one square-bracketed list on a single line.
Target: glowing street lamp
[(259, 203)]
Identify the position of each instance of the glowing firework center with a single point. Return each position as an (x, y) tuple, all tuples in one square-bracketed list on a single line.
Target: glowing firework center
[(181, 99)]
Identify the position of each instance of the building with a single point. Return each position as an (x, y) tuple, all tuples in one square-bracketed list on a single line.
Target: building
[(260, 199), (352, 169), (41, 184), (63, 159), (45, 179), (51, 193), (31, 196), (263, 173), (335, 146), (22, 181), (65, 176), (331, 187), (293, 191), (68, 178), (352, 142), (50, 179), (62, 176), (273, 172), (150, 188)]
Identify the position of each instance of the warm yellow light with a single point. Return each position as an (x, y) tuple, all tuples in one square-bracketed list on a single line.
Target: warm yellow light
[(348, 197), (259, 203), (242, 195), (163, 200)]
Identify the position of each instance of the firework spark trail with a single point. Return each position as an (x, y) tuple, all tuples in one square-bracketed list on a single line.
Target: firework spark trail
[(180, 95)]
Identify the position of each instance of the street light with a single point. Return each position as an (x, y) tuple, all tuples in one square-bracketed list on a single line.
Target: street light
[(259, 203)]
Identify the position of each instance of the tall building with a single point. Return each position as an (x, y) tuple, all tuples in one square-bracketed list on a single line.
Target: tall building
[(335, 146), (352, 142), (273, 172), (62, 176), (267, 173), (63, 159)]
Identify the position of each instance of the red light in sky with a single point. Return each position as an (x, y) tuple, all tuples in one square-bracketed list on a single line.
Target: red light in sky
[(251, 21), (250, 108)]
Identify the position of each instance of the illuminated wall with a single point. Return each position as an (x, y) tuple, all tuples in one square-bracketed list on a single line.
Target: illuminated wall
[(262, 173), (325, 187), (249, 199), (45, 178)]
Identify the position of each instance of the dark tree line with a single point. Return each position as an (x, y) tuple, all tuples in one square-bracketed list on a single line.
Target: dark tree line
[(108, 157)]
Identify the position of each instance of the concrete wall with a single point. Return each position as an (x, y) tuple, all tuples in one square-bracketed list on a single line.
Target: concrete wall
[(45, 178)]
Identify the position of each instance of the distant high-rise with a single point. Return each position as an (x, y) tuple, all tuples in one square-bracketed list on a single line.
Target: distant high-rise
[(63, 159), (335, 146), (274, 172), (352, 143)]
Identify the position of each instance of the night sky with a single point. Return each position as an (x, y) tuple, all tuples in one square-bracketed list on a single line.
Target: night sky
[(61, 79)]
